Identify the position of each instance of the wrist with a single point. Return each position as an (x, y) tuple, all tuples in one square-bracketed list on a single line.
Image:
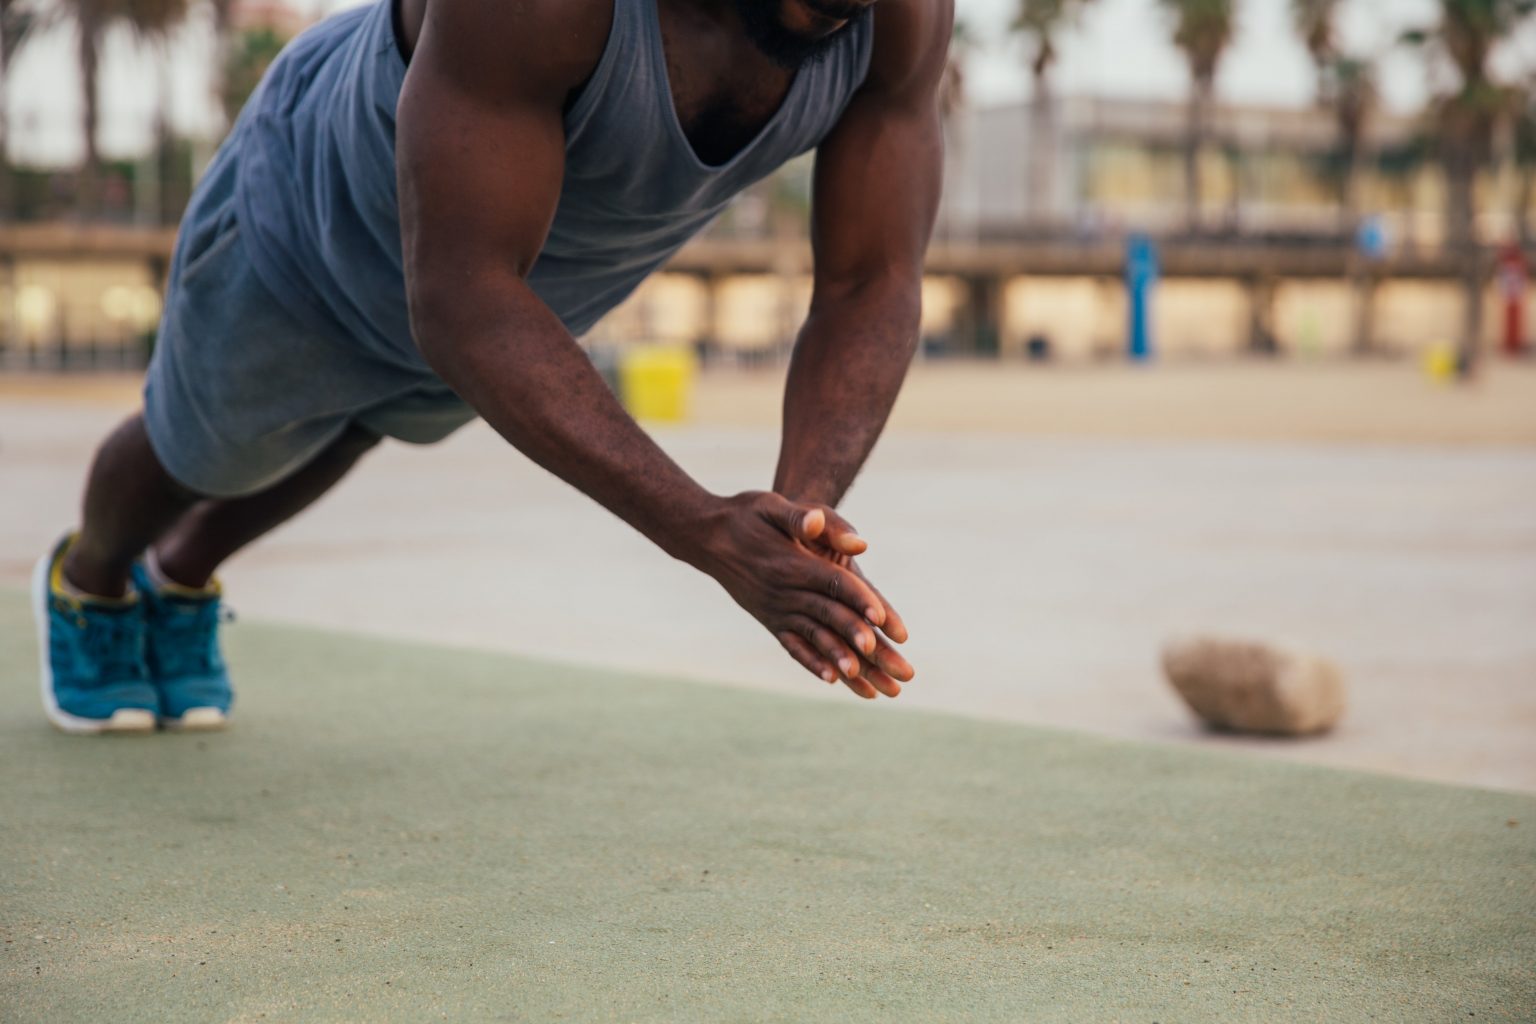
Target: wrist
[(806, 491), (691, 527)]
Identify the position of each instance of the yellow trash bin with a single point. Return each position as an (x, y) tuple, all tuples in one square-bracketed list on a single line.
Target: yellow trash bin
[(1440, 363), (655, 382)]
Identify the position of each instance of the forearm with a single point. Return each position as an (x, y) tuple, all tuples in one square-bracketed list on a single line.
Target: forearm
[(518, 366), (847, 369)]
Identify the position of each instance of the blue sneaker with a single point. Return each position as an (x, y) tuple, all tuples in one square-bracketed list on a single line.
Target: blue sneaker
[(95, 677), (185, 664)]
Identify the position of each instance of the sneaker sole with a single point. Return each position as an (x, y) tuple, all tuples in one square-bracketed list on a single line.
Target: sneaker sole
[(198, 720), (123, 721)]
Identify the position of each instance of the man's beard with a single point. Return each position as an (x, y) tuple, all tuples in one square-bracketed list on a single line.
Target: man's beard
[(789, 50)]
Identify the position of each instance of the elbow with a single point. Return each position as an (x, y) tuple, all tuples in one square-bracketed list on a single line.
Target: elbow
[(895, 293), (433, 318), (427, 309)]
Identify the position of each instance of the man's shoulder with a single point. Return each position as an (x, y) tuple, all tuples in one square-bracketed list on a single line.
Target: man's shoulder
[(911, 40), (557, 41)]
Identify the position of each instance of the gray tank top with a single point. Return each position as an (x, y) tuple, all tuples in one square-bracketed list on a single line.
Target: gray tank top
[(318, 203)]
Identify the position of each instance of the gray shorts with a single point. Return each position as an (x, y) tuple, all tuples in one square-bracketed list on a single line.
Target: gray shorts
[(242, 392)]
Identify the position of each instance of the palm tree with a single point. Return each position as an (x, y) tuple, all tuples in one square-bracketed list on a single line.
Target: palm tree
[(1314, 23), (228, 52), (18, 20), (1525, 163), (1353, 95), (952, 94), (1041, 22), (147, 19), (247, 55), (1201, 30), (1465, 120), (953, 99), (1346, 85)]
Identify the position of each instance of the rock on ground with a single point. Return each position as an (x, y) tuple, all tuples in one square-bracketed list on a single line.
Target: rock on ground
[(1252, 687)]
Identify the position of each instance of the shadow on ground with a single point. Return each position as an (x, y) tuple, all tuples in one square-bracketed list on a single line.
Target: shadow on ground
[(397, 832)]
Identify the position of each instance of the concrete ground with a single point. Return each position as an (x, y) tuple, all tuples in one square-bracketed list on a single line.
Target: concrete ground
[(397, 832), (1043, 532)]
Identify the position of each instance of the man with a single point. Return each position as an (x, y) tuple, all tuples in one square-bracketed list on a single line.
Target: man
[(415, 215)]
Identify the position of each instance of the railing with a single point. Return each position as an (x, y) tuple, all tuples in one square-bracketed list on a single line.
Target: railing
[(993, 253)]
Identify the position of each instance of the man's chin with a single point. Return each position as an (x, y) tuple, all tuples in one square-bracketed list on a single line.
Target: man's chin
[(790, 49)]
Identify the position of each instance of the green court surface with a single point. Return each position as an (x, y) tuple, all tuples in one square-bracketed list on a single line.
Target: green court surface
[(397, 832)]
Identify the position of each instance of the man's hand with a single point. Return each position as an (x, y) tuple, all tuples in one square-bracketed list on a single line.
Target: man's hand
[(790, 566)]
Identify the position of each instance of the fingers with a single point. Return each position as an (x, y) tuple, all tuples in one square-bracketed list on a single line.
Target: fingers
[(880, 681), (841, 619), (894, 625), (815, 523), (886, 660), (801, 650), (833, 611), (801, 522), (841, 537), (870, 685), (846, 587), (827, 644), (862, 688), (830, 531)]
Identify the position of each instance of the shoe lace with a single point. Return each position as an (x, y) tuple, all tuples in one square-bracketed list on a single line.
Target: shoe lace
[(114, 643)]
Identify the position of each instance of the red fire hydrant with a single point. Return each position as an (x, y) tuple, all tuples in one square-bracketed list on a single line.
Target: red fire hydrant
[(1512, 283)]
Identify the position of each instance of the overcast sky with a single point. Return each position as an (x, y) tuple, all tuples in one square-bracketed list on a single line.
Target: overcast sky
[(1120, 49)]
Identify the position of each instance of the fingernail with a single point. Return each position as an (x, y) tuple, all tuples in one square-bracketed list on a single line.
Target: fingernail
[(829, 676), (847, 666), (873, 615), (867, 641)]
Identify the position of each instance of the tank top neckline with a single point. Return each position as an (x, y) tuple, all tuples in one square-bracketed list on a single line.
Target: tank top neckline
[(658, 53)]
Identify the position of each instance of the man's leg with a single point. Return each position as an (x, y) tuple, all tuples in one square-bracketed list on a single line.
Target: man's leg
[(130, 500), (132, 503), (158, 656), (191, 551), (95, 675)]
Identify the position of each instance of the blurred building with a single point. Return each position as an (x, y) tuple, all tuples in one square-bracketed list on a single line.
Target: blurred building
[(1028, 254), (1112, 165)]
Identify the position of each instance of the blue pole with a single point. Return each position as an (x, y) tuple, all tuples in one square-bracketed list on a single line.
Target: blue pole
[(1140, 281)]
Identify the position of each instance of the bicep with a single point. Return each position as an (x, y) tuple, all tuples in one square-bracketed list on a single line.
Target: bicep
[(877, 192), (880, 172), (480, 154), (476, 184)]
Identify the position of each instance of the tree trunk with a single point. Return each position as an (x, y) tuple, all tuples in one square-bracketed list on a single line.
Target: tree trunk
[(1461, 234), (165, 141), (1460, 207), (7, 180), (1194, 144), (1042, 150), (1469, 351), (1361, 277), (1262, 337), (1522, 211), (1363, 284), (1349, 201), (90, 171), (223, 30)]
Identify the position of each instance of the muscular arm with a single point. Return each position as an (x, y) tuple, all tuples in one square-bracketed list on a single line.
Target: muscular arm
[(481, 153), (481, 149), (877, 192)]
